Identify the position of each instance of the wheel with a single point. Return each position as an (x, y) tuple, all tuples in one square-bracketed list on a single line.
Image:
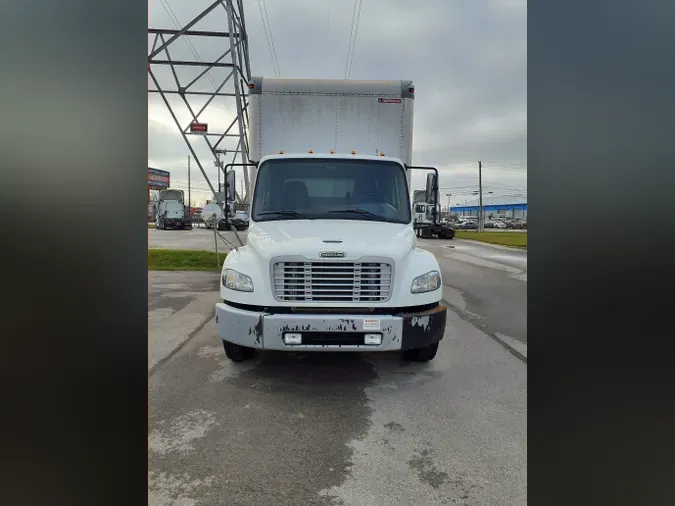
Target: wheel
[(441, 235), (421, 354), (238, 353)]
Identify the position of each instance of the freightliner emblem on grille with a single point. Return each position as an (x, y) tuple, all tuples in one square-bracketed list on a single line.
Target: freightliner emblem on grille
[(332, 254)]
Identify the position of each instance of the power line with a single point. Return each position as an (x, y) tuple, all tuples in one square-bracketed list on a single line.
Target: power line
[(356, 15), (502, 188), (506, 165), (351, 36), (356, 32), (267, 28)]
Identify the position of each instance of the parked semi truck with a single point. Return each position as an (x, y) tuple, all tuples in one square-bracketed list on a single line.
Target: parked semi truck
[(331, 262), (427, 219), (172, 211)]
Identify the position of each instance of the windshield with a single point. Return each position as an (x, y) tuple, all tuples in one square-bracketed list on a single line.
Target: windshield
[(331, 189)]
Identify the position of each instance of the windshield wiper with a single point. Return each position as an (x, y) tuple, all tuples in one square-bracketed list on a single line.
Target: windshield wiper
[(282, 213), (362, 212)]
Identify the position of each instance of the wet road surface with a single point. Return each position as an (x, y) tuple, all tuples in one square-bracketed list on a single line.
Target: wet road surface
[(487, 284)]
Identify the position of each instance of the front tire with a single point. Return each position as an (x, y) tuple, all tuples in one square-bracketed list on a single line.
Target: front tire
[(238, 353), (424, 354)]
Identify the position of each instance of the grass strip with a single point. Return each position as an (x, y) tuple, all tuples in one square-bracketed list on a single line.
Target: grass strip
[(513, 239), (184, 260)]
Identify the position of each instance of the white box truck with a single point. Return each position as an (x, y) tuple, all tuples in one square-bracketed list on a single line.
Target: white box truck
[(331, 262)]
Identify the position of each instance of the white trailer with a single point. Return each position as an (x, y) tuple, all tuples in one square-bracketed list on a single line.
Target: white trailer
[(331, 262)]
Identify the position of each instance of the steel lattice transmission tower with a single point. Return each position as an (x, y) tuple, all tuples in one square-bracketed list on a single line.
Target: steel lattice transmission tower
[(194, 82)]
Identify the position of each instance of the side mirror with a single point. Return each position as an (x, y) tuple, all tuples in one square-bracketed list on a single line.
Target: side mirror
[(230, 180), (429, 192)]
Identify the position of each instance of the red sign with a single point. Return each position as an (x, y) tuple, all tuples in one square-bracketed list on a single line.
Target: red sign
[(158, 179), (199, 128)]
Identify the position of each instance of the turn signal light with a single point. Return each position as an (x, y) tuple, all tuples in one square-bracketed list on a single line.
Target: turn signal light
[(353, 152), (332, 151), (310, 151), (281, 152), (251, 86)]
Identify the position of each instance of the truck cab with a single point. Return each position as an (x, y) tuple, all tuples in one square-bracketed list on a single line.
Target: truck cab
[(171, 211), (331, 261)]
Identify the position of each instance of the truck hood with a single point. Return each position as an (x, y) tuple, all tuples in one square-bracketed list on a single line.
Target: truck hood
[(308, 238)]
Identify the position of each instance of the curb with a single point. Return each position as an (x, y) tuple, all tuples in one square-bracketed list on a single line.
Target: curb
[(496, 246)]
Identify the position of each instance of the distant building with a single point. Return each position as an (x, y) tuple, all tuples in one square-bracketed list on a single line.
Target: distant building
[(510, 207)]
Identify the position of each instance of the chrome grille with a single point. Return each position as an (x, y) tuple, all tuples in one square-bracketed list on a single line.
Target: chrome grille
[(332, 281)]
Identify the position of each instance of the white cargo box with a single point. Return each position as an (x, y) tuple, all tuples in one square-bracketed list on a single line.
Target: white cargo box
[(299, 115)]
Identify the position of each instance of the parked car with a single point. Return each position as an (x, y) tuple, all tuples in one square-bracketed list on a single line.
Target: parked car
[(467, 225), (499, 224)]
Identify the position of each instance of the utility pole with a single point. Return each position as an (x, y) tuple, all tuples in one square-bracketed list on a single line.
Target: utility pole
[(219, 169), (219, 164), (242, 191), (189, 190), (448, 195), (480, 196)]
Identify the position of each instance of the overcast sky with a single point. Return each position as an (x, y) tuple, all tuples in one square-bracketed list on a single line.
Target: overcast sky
[(467, 59)]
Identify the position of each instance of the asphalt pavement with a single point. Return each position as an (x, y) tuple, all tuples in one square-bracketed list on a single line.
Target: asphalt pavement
[(338, 428), (486, 285), (197, 238), (179, 304)]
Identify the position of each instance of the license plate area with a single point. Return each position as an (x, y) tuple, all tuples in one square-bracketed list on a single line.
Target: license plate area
[(333, 339)]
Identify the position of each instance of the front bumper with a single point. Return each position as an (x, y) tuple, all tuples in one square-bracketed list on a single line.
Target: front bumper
[(266, 330)]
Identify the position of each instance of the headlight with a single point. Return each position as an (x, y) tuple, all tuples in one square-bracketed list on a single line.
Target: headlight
[(237, 281), (426, 282)]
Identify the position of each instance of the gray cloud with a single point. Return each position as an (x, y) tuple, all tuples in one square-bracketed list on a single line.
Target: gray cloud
[(467, 59)]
